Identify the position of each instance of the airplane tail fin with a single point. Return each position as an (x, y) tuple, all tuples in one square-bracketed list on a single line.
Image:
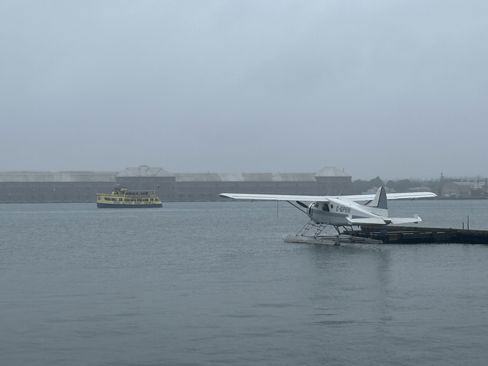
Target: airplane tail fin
[(379, 200)]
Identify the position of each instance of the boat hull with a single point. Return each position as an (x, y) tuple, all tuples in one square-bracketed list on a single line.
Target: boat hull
[(124, 205)]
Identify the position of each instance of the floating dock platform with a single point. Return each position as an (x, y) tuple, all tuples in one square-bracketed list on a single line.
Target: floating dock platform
[(372, 234), (421, 235)]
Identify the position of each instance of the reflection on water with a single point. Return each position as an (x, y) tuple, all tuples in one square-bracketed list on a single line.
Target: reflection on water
[(206, 283)]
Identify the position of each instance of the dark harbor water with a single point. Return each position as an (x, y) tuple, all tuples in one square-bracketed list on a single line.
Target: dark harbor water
[(213, 283)]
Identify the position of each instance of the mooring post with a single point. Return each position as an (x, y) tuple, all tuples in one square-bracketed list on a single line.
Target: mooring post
[(468, 222)]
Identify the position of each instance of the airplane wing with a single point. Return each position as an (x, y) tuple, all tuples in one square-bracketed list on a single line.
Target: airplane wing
[(274, 197), (391, 196), (291, 197)]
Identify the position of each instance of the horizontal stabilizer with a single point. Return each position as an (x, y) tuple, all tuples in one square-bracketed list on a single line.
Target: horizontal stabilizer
[(384, 220), (405, 220), (367, 221)]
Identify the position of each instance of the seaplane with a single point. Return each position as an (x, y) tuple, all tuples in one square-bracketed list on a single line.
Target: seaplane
[(342, 213)]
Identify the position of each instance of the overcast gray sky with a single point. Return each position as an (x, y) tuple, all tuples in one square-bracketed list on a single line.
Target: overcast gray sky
[(389, 88)]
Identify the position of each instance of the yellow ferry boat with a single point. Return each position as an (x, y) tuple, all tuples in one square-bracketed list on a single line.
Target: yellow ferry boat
[(123, 198)]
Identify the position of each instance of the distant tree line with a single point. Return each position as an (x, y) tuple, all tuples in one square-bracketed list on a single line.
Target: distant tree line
[(446, 187), (401, 185)]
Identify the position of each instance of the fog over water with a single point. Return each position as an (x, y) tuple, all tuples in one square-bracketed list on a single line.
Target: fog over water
[(389, 88)]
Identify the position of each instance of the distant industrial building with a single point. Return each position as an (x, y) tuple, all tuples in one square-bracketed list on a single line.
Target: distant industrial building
[(82, 186)]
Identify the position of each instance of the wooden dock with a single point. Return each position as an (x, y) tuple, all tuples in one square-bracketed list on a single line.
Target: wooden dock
[(421, 235)]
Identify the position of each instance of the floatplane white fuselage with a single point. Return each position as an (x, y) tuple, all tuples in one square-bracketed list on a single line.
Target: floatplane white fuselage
[(342, 211)]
